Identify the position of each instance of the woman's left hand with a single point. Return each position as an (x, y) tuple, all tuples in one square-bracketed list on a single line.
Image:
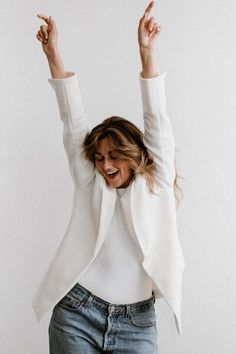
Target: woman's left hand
[(148, 30)]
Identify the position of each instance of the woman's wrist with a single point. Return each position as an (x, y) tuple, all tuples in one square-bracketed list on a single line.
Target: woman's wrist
[(149, 63), (56, 65), (52, 54)]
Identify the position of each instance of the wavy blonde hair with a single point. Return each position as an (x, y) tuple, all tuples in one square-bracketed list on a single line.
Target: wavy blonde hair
[(127, 140)]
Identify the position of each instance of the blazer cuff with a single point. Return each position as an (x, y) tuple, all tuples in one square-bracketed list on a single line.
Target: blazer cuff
[(67, 81), (152, 78)]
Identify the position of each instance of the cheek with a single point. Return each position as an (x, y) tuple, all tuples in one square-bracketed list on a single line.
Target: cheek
[(126, 170)]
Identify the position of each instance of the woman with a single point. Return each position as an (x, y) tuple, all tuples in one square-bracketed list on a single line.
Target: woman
[(121, 249)]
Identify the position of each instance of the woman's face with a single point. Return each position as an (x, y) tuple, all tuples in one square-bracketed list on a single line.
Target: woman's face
[(116, 171)]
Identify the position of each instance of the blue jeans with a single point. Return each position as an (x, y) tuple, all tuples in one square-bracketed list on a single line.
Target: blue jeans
[(82, 323)]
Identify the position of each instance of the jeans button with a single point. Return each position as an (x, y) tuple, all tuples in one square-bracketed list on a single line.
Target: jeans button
[(111, 308)]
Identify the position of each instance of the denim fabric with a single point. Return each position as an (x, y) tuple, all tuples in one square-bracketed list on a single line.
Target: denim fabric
[(82, 323)]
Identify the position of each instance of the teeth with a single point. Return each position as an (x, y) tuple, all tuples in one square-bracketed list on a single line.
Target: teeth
[(111, 173)]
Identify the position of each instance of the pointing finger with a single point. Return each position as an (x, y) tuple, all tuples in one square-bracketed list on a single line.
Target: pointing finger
[(44, 17), (149, 8), (146, 13)]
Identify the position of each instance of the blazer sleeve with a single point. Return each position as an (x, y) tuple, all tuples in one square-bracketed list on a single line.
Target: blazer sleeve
[(74, 128), (158, 134)]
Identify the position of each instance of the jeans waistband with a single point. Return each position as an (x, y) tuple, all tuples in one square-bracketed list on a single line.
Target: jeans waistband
[(118, 308)]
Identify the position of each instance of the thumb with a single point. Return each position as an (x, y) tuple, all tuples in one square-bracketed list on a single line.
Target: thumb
[(52, 24)]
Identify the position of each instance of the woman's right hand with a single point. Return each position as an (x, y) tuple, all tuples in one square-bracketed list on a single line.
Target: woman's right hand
[(47, 34)]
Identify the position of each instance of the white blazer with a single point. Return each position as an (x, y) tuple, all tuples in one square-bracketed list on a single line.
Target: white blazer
[(150, 217)]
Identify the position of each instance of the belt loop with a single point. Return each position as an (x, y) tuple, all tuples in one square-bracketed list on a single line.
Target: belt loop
[(89, 300), (127, 308)]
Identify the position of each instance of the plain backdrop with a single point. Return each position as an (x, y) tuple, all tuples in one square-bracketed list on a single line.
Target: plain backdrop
[(98, 40)]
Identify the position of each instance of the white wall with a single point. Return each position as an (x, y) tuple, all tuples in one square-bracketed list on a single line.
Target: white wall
[(98, 40)]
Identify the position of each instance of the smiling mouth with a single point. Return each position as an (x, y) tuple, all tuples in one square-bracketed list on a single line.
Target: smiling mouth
[(112, 175)]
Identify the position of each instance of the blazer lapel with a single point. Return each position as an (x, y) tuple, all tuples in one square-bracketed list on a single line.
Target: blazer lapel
[(139, 206), (104, 199)]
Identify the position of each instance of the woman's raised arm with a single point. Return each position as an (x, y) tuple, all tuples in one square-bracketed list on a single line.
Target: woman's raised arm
[(70, 105), (48, 37), (148, 32), (158, 134)]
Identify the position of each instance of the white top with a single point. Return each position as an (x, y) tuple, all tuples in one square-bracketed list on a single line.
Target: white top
[(116, 274)]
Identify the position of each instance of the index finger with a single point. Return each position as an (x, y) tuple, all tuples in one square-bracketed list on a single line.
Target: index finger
[(44, 17), (149, 8)]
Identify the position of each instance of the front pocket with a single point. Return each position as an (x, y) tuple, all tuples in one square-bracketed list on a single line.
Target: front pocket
[(143, 318), (70, 303)]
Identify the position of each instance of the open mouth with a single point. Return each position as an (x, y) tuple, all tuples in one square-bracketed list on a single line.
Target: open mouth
[(112, 175)]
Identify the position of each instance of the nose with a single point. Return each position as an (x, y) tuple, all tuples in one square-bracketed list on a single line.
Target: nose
[(107, 163)]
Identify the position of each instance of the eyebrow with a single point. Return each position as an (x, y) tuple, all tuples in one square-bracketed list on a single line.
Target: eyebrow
[(99, 153)]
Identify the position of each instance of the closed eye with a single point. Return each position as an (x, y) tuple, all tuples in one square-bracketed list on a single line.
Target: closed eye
[(98, 157), (113, 155)]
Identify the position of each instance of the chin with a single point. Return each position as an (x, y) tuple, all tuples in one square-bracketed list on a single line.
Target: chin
[(115, 185)]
